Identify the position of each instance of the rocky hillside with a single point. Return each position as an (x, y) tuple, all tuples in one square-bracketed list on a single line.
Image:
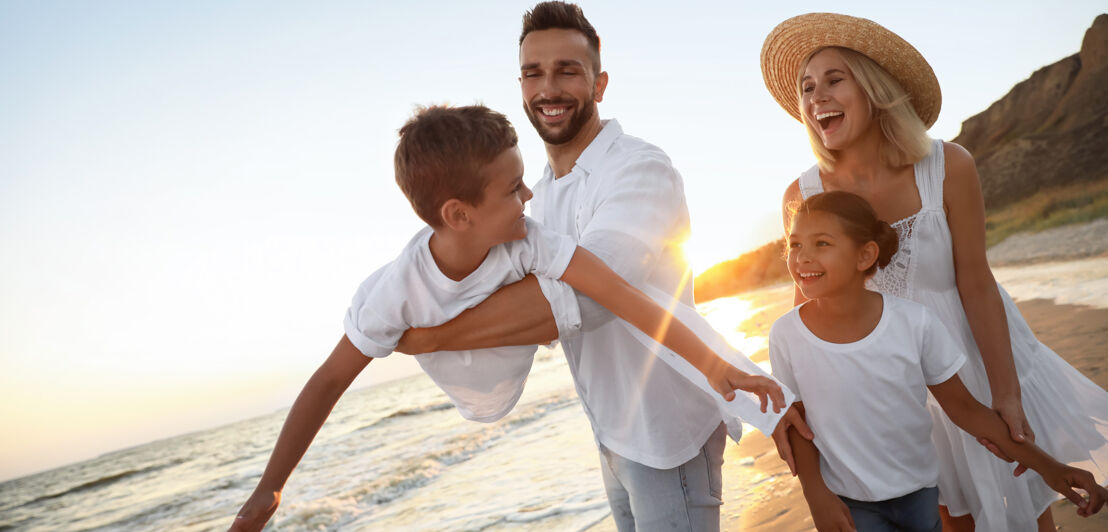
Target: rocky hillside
[(761, 267), (1049, 130)]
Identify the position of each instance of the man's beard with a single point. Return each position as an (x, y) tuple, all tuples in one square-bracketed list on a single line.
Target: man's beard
[(571, 129)]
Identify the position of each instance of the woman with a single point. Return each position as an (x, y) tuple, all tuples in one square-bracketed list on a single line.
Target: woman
[(867, 98)]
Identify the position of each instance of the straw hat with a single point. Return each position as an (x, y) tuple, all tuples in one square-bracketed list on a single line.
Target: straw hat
[(793, 41)]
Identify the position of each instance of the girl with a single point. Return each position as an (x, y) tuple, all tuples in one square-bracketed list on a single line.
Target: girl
[(862, 362), (867, 98)]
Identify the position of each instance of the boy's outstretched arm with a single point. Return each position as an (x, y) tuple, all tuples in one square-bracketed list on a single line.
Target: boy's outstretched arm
[(982, 422), (589, 275), (829, 512), (516, 314), (306, 416)]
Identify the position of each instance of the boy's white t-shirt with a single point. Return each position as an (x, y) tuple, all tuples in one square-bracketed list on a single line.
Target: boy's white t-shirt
[(411, 291), (866, 400)]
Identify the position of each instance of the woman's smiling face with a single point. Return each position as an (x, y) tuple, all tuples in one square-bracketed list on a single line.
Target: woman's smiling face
[(833, 102)]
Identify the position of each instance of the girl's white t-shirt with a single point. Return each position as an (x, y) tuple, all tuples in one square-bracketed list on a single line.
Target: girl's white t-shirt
[(866, 400), (411, 291)]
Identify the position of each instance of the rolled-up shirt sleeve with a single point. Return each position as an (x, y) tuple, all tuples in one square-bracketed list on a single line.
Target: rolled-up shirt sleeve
[(637, 207)]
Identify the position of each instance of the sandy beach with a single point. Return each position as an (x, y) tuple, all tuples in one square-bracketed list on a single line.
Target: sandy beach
[(773, 500)]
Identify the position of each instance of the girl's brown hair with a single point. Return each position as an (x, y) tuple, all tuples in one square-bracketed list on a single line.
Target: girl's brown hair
[(859, 221)]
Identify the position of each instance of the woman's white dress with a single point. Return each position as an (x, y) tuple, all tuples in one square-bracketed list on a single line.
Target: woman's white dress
[(1067, 411)]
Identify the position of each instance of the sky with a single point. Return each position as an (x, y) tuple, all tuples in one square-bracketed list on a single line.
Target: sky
[(191, 192)]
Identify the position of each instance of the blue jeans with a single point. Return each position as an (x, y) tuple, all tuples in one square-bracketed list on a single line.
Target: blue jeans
[(915, 512), (686, 497)]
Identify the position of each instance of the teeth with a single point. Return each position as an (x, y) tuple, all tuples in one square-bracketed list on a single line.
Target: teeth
[(553, 112), (828, 114), (809, 275)]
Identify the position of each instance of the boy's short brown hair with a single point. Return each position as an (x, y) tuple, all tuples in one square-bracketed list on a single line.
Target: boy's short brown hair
[(562, 16), (441, 152)]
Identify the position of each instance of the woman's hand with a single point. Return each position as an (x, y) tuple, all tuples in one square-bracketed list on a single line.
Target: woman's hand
[(1011, 411), (253, 515)]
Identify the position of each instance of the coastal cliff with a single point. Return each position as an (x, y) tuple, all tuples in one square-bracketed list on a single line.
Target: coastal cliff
[(1049, 130)]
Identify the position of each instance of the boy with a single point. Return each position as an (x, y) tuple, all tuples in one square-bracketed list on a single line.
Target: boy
[(463, 174)]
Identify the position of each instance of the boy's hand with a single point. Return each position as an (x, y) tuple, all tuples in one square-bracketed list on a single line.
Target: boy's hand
[(731, 378), (253, 515), (829, 512), (1064, 478)]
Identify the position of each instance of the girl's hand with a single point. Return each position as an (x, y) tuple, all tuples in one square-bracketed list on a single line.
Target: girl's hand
[(792, 418), (1011, 411), (731, 378), (829, 512), (1064, 478), (253, 515)]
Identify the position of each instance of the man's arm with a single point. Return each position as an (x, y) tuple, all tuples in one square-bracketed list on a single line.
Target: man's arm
[(306, 416), (641, 204)]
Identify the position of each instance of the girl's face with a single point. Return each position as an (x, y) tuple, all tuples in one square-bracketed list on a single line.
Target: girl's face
[(823, 259), (833, 102)]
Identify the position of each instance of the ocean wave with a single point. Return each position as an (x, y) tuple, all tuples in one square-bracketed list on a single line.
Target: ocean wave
[(103, 481)]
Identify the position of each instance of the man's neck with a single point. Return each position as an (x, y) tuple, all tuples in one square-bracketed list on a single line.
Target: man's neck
[(454, 255), (562, 157)]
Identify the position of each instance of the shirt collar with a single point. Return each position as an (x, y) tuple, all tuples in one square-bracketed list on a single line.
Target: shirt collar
[(596, 150)]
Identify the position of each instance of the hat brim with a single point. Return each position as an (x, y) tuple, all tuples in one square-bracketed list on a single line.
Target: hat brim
[(793, 41)]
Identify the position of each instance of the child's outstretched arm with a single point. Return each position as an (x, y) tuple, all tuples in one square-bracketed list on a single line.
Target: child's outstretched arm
[(590, 276), (306, 416), (981, 421)]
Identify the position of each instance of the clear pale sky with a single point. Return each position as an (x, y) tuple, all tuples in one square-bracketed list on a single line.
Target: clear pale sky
[(190, 192)]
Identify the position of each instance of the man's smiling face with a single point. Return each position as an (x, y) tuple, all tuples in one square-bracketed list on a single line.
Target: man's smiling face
[(559, 83)]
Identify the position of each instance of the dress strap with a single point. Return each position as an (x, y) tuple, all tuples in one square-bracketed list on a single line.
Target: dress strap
[(930, 173), (810, 183)]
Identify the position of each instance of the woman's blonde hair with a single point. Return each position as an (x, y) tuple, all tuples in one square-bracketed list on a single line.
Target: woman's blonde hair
[(904, 135)]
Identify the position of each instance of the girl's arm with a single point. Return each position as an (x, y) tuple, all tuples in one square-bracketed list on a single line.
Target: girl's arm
[(965, 214), (588, 275), (978, 420), (829, 512), (306, 416)]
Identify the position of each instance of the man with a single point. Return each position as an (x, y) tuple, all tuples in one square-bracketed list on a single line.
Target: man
[(661, 439)]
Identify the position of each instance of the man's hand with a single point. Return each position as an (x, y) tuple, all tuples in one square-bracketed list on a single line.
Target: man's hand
[(731, 378), (829, 512), (253, 515), (792, 418)]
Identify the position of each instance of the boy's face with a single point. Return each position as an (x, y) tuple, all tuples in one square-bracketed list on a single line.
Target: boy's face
[(499, 217)]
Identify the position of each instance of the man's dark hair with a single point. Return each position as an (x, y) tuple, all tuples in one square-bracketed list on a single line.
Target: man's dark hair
[(441, 153), (562, 16)]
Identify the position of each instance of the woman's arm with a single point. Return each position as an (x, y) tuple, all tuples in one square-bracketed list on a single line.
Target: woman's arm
[(588, 275), (791, 198), (978, 420), (965, 214)]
